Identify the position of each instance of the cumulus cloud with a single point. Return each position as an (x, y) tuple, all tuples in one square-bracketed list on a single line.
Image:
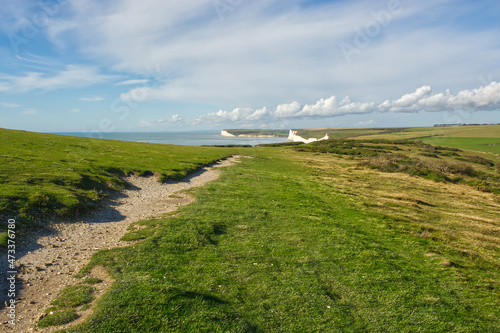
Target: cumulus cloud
[(422, 99), (237, 116), (484, 98), (287, 110), (329, 107), (365, 123), (175, 119)]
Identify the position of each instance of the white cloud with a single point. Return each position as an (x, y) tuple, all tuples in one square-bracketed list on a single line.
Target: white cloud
[(30, 111), (365, 123), (74, 110), (175, 119), (484, 98), (287, 110), (331, 107), (91, 99), (237, 116), (131, 82), (71, 77), (480, 99), (9, 105), (266, 52)]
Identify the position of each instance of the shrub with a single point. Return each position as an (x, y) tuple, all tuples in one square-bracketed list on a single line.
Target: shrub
[(478, 160)]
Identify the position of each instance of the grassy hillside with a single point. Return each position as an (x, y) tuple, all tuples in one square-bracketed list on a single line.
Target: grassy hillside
[(298, 241), (486, 144), (441, 164), (43, 175), (334, 236), (485, 138)]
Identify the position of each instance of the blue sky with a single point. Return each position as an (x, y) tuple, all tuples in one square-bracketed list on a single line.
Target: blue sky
[(155, 65)]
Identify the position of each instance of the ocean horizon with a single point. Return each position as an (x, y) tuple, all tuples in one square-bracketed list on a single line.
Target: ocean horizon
[(189, 138)]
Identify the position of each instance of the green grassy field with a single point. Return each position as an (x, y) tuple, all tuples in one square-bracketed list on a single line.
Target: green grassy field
[(45, 175), (335, 236), (304, 242), (489, 145)]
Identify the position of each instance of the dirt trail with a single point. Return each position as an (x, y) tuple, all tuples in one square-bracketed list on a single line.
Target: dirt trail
[(48, 260)]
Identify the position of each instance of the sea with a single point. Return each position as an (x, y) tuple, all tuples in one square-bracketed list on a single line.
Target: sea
[(192, 138)]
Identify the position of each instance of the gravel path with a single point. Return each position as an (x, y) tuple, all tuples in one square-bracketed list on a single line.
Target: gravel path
[(48, 260)]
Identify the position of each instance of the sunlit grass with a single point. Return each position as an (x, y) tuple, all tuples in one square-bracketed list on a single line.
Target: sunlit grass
[(297, 242)]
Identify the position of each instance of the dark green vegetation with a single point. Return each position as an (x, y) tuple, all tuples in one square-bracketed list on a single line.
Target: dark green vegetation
[(304, 242), (282, 133), (63, 307), (44, 175), (441, 164)]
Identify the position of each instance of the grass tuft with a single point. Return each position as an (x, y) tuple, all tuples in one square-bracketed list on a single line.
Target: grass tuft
[(73, 296), (57, 318)]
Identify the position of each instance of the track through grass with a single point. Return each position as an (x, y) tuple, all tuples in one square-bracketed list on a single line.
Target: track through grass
[(275, 246), (43, 175)]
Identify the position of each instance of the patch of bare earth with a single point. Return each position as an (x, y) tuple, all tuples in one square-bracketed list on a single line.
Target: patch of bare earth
[(48, 260)]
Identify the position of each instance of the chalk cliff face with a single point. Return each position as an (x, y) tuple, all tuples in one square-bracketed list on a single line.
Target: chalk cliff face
[(226, 133), (295, 138)]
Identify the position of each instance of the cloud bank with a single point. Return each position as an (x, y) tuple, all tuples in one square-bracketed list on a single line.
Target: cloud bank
[(484, 98)]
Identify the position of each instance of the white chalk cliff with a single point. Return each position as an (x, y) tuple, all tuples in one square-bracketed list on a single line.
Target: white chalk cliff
[(226, 133), (295, 138)]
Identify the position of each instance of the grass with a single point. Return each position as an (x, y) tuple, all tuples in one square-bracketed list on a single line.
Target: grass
[(92, 280), (412, 133), (441, 164), (73, 296), (44, 175), (483, 138), (336, 236), (63, 307), (57, 318), (304, 242), (489, 145)]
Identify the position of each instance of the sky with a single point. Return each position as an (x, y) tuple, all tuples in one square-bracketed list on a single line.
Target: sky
[(157, 65)]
